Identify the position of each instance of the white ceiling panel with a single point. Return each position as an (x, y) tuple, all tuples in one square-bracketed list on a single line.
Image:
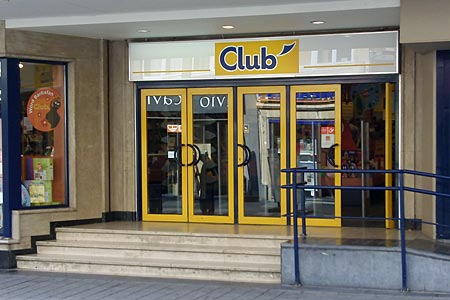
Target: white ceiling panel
[(118, 19)]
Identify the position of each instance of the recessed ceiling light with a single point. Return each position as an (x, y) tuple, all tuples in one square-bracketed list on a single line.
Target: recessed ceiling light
[(318, 22), (20, 65), (227, 26), (143, 30)]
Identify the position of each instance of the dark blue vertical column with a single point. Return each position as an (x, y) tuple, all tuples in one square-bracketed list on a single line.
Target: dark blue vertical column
[(288, 153), (139, 166), (443, 140), (2, 88), (11, 140)]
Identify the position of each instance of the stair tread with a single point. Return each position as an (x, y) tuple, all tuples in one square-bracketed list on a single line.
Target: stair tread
[(172, 233), (227, 266), (223, 249)]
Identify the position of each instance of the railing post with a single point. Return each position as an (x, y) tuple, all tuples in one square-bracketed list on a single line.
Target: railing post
[(295, 223), (402, 230), (303, 202)]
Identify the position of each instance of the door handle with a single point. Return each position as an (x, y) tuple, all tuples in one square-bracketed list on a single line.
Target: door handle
[(246, 155), (178, 153), (248, 151), (196, 156), (330, 156)]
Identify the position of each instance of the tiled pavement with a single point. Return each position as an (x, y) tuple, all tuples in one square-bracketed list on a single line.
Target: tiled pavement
[(33, 285)]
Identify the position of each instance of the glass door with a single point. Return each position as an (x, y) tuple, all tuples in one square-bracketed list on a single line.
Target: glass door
[(192, 148), (162, 142), (367, 143), (316, 143), (209, 180), (261, 154), (185, 138)]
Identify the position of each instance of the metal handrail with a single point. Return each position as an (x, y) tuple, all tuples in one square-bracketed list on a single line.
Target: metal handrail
[(400, 187)]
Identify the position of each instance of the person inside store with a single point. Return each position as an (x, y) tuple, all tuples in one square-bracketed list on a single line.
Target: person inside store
[(208, 184), (157, 174)]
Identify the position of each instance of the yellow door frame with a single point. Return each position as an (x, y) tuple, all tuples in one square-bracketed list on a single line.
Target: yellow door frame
[(389, 93), (146, 216), (336, 88), (281, 90), (189, 175), (187, 201)]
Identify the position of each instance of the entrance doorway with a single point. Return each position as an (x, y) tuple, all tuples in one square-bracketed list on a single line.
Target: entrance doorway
[(185, 154), (262, 134), (368, 141), (210, 155)]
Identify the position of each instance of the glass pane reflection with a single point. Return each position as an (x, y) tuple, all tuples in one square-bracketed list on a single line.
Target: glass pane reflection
[(262, 190)]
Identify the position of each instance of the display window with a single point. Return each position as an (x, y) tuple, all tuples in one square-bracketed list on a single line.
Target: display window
[(43, 150)]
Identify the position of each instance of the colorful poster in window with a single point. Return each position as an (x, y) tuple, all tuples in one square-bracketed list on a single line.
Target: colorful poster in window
[(44, 109), (327, 136), (40, 191)]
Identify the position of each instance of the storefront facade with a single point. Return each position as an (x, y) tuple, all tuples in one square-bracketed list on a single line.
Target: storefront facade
[(254, 107), (132, 148), (45, 132)]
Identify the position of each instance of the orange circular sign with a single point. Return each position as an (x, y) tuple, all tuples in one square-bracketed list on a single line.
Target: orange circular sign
[(43, 109)]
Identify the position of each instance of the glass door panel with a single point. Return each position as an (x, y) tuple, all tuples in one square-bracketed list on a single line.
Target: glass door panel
[(261, 154), (367, 142), (316, 119), (162, 155), (185, 155), (210, 124), (314, 139)]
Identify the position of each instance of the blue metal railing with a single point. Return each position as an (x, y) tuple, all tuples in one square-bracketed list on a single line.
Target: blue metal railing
[(399, 187)]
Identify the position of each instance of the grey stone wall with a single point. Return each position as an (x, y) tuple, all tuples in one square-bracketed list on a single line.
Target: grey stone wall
[(356, 267), (2, 38), (365, 267), (87, 125), (417, 113), (122, 130), (424, 21)]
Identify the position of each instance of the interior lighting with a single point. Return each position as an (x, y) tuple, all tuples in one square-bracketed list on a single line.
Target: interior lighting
[(20, 65), (318, 22), (227, 26), (143, 30)]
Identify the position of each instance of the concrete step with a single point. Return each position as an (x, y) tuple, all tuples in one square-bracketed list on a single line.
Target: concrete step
[(190, 252), (147, 237), (160, 268), (206, 256)]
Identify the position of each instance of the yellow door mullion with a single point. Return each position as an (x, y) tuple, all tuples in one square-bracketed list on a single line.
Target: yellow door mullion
[(184, 151), (188, 139), (338, 152), (284, 163), (293, 138), (240, 155), (144, 158), (231, 172), (389, 90)]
